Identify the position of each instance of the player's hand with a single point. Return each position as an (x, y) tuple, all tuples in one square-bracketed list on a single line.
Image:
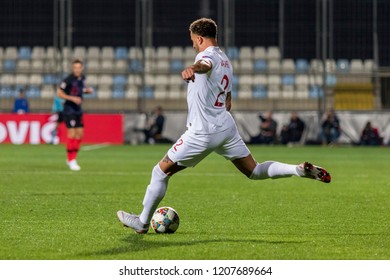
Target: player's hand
[(76, 99), (188, 74), (88, 90)]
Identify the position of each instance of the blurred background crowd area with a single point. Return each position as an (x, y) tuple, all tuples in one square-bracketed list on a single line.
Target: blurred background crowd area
[(287, 54)]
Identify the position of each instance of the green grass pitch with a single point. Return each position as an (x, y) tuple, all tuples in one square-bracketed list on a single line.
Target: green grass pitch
[(49, 212)]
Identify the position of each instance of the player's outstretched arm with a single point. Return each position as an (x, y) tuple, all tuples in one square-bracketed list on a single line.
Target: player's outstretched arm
[(200, 67)]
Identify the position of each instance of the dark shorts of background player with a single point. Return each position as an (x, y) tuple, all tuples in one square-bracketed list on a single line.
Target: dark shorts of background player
[(60, 117), (73, 120)]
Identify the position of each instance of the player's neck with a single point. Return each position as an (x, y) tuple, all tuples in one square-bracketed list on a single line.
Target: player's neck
[(208, 43)]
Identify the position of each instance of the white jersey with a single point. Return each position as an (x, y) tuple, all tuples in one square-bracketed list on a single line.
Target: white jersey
[(206, 96)]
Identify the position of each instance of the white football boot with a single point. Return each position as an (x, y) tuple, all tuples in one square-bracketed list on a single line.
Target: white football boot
[(73, 165), (132, 221)]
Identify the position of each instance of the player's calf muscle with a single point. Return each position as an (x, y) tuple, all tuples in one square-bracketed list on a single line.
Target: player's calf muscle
[(245, 165)]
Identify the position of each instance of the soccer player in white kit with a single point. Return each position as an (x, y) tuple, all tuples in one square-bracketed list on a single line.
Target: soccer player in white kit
[(210, 128)]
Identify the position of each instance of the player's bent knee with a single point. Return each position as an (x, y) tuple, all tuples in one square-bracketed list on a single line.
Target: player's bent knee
[(169, 167), (167, 160)]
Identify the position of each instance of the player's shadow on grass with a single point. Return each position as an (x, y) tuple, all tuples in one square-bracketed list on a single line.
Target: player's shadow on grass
[(136, 243)]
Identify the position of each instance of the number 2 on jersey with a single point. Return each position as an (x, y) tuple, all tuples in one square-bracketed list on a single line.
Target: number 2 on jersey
[(224, 79)]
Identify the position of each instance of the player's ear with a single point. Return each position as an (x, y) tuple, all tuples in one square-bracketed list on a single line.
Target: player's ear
[(200, 40)]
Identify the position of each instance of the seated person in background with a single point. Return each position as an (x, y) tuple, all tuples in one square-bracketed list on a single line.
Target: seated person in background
[(370, 136), (267, 130), (154, 133), (330, 128), (292, 133), (21, 103)]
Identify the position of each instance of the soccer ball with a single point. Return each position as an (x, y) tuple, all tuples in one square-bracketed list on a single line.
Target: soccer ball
[(165, 220)]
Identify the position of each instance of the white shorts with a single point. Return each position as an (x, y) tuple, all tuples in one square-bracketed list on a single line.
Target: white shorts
[(191, 148)]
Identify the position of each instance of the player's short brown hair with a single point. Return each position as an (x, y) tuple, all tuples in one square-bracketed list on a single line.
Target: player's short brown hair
[(77, 61), (204, 27)]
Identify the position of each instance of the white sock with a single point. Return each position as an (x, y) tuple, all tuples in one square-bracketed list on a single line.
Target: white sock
[(274, 170), (154, 193)]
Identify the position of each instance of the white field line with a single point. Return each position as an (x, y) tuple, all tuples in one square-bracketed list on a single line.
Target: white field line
[(94, 147), (102, 173)]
